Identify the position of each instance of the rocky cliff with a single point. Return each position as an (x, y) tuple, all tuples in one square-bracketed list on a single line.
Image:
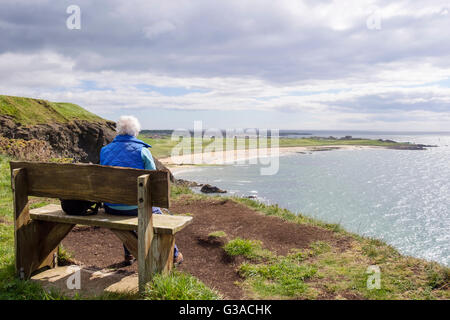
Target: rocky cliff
[(77, 139)]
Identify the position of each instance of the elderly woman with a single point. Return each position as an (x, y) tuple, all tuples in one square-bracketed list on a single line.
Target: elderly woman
[(128, 151)]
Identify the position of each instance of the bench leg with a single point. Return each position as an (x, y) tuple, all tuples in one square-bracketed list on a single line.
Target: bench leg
[(35, 242), (162, 253), (155, 251), (145, 232), (159, 260)]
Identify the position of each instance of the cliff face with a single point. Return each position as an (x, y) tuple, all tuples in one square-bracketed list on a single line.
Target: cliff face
[(77, 139)]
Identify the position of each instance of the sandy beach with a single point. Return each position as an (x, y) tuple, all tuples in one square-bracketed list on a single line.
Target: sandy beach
[(249, 156)]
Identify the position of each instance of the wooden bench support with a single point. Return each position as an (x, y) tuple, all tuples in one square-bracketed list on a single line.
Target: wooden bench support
[(129, 239), (162, 252), (36, 242), (145, 232)]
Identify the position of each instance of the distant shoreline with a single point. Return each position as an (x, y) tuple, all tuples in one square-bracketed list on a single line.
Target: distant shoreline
[(180, 163)]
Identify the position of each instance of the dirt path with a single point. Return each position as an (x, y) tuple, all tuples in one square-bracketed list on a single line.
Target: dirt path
[(204, 256)]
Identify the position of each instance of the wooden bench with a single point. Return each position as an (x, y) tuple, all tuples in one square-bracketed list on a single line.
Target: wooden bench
[(38, 232)]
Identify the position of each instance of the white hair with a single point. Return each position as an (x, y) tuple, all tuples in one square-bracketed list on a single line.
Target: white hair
[(128, 125)]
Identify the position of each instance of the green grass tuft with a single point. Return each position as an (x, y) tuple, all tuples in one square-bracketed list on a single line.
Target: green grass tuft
[(179, 286), (250, 249), (285, 214), (437, 277), (217, 234), (64, 256), (283, 277), (178, 190)]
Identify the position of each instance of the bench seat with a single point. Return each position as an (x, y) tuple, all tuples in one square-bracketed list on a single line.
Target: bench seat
[(162, 223)]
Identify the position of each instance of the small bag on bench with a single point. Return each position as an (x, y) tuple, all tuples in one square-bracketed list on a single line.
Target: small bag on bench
[(80, 207)]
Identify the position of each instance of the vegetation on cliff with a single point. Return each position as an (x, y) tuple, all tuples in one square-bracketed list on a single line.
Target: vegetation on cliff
[(33, 129), (29, 111)]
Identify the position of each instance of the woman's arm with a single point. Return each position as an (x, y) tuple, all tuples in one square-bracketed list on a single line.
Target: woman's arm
[(149, 163)]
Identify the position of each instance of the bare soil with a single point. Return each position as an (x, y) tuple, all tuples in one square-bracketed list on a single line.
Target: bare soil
[(204, 257)]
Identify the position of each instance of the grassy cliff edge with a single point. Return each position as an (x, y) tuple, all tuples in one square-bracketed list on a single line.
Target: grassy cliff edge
[(29, 111)]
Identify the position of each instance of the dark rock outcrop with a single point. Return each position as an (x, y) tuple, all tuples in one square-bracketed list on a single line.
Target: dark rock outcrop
[(411, 147), (207, 188), (187, 183)]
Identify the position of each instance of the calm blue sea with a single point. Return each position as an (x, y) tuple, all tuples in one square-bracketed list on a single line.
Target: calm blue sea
[(401, 197)]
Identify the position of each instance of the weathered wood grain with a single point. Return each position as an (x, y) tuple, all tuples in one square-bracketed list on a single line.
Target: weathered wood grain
[(36, 242), (93, 182), (21, 221), (162, 223), (145, 231), (162, 253), (49, 235)]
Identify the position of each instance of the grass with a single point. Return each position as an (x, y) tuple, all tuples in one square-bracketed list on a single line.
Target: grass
[(28, 111), (161, 147), (10, 286), (324, 271), (285, 214), (344, 272), (178, 190), (280, 278), (251, 249), (64, 256), (217, 234), (179, 286), (271, 276)]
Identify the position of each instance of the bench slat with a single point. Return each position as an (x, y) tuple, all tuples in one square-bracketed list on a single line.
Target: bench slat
[(92, 182), (162, 223)]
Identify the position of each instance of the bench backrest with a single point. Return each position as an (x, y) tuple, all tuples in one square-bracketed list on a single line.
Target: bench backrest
[(93, 182)]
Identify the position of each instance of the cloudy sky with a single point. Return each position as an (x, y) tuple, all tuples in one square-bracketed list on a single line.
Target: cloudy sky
[(287, 64)]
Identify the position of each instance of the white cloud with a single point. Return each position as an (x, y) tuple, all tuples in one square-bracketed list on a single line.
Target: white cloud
[(158, 28), (314, 58)]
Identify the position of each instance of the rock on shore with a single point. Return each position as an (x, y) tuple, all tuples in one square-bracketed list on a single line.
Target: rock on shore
[(207, 188)]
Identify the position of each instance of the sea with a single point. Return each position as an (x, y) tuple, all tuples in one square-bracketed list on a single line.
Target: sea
[(399, 196)]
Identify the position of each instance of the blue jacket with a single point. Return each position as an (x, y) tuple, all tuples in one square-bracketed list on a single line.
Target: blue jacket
[(124, 151)]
